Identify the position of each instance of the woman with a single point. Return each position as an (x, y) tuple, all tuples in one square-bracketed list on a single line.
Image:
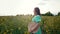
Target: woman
[(36, 19)]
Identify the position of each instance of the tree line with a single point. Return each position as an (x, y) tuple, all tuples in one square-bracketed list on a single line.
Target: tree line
[(46, 14), (50, 14)]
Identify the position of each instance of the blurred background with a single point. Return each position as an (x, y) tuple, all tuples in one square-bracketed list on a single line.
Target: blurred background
[(16, 14)]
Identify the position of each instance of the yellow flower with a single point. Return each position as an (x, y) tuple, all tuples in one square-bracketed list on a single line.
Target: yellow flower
[(4, 32)]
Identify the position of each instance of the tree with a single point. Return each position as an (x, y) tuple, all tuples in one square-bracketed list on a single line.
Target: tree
[(49, 14), (58, 13)]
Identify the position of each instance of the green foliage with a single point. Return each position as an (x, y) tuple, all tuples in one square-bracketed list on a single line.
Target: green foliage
[(58, 13), (18, 24), (49, 14), (51, 24)]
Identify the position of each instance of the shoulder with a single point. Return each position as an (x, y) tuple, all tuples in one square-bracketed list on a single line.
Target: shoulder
[(37, 16)]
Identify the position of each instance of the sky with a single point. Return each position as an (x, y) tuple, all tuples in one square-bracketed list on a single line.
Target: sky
[(14, 7)]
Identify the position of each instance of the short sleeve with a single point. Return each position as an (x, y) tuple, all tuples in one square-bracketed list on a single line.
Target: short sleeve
[(37, 19)]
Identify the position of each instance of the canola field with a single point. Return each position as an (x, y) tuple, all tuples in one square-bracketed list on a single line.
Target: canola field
[(18, 24)]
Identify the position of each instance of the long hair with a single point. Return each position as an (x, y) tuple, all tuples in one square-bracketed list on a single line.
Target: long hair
[(37, 10)]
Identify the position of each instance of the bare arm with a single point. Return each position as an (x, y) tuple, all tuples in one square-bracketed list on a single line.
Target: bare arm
[(36, 26), (32, 26)]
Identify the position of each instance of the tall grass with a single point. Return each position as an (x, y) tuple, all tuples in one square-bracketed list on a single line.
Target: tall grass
[(18, 24)]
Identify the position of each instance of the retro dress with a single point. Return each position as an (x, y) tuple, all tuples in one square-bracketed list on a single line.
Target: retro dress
[(37, 19)]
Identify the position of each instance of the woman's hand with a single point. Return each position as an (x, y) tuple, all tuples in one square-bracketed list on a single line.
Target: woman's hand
[(36, 27), (33, 27)]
